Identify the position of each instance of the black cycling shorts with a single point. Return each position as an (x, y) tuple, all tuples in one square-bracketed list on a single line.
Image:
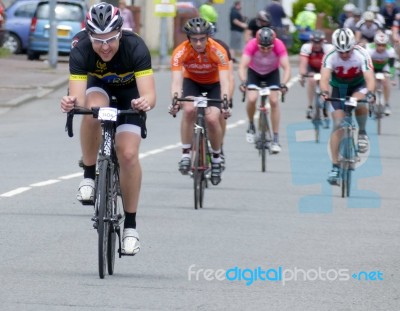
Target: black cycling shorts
[(272, 78), (192, 88), (343, 91), (124, 96)]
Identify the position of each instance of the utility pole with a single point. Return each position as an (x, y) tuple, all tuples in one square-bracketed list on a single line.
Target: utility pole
[(163, 41), (53, 48)]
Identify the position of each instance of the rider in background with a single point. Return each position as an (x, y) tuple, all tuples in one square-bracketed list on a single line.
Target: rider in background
[(262, 57), (347, 13), (263, 19), (383, 56), (200, 65), (348, 70), (352, 21), (389, 11), (311, 55), (366, 28), (96, 74)]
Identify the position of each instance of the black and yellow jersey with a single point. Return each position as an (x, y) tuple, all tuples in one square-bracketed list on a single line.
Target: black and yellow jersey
[(131, 61)]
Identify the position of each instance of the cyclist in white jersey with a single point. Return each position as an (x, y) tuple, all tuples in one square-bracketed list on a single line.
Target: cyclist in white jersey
[(349, 71), (383, 56), (366, 28)]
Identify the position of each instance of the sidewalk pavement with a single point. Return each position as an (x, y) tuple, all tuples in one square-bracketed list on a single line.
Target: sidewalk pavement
[(22, 80)]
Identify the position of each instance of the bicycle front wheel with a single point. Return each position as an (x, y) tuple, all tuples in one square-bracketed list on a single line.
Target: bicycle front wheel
[(317, 119), (263, 140), (198, 170), (103, 226), (112, 234)]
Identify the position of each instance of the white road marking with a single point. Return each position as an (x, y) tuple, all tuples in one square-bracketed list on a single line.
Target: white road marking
[(74, 175)]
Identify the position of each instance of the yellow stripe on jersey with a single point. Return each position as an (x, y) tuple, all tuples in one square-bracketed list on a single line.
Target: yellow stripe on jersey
[(77, 77), (143, 73)]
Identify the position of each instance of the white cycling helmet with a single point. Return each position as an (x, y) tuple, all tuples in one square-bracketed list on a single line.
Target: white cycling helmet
[(368, 16), (381, 38), (343, 39), (349, 7)]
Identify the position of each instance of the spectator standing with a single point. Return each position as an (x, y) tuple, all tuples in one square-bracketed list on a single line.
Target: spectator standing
[(389, 11), (276, 13), (305, 22), (209, 13), (127, 16), (238, 25)]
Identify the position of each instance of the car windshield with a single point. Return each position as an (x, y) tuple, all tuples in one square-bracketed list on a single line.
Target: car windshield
[(64, 12)]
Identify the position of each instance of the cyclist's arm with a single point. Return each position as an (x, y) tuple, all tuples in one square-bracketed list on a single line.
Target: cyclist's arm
[(358, 36), (231, 79), (177, 81), (147, 92), (224, 81), (285, 65), (243, 66), (369, 77), (303, 64), (325, 77), (76, 95)]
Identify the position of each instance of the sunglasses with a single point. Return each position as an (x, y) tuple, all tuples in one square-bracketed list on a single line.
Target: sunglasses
[(265, 48), (344, 53), (381, 45), (108, 41), (195, 40)]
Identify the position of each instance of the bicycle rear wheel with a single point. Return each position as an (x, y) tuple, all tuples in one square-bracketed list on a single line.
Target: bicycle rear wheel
[(101, 205), (198, 172), (378, 115), (263, 140)]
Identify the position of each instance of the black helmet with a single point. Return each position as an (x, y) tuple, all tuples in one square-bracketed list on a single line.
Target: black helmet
[(317, 36), (264, 16), (197, 26), (103, 18), (265, 36)]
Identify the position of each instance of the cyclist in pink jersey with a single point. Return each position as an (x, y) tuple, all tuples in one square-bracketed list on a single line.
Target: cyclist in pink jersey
[(262, 57)]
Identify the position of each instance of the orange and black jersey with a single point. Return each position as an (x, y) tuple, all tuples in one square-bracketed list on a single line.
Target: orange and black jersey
[(131, 61), (200, 67)]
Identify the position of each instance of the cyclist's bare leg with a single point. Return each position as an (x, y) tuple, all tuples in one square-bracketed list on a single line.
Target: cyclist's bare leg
[(187, 123), (386, 90), (251, 104), (275, 110), (336, 136), (222, 122), (214, 127), (127, 148), (361, 112), (90, 131), (310, 92)]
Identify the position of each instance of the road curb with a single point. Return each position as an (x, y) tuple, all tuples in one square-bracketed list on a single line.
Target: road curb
[(37, 93)]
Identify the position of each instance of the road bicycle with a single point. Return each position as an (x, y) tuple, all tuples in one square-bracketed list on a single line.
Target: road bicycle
[(348, 150), (263, 142), (319, 109), (201, 155), (378, 107), (108, 202)]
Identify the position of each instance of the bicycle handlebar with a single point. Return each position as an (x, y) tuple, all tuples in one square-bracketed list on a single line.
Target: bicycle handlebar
[(223, 101), (334, 99), (94, 111), (257, 88)]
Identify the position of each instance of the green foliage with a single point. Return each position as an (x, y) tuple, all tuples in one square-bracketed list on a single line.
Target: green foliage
[(329, 8), (294, 49), (4, 52)]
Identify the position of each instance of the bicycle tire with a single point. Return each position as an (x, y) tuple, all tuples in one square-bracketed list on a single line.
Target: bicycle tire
[(196, 171), (103, 226), (263, 140), (112, 235)]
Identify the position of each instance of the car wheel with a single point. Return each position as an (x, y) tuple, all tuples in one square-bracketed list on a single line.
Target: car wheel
[(33, 55), (13, 43)]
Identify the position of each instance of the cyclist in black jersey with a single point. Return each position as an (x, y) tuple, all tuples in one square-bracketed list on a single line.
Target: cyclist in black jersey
[(106, 61)]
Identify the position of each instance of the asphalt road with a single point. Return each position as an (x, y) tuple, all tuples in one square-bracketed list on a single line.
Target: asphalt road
[(281, 240)]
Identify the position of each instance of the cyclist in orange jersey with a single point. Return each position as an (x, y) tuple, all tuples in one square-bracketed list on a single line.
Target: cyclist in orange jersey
[(200, 65)]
